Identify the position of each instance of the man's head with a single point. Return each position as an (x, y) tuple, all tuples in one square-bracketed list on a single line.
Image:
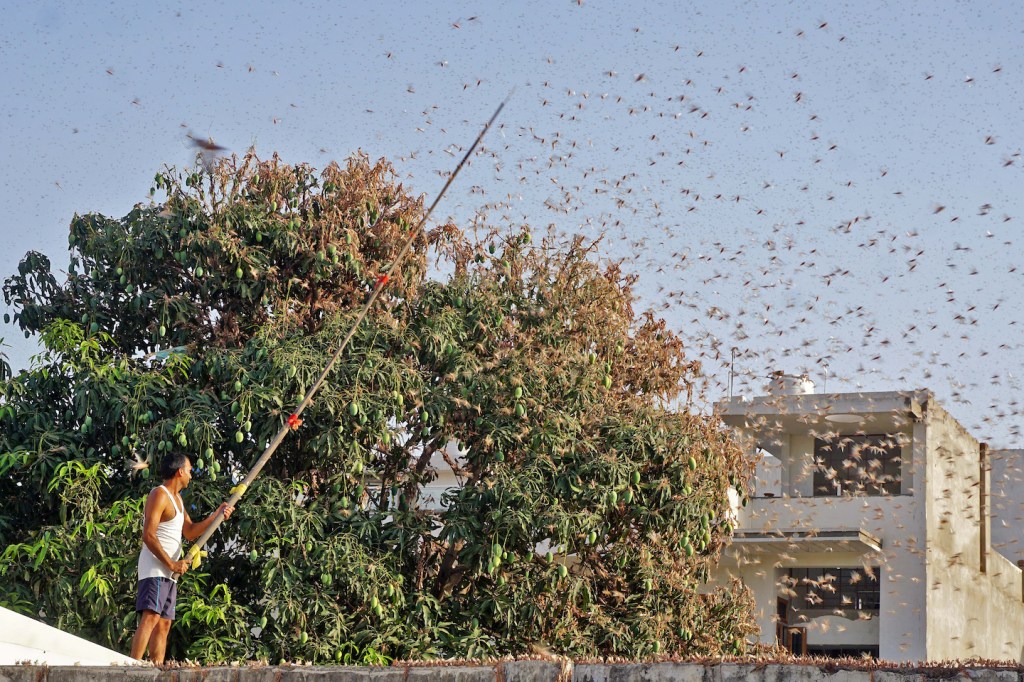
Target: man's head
[(176, 464)]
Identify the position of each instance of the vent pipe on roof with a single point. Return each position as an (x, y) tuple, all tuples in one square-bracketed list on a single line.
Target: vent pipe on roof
[(790, 384)]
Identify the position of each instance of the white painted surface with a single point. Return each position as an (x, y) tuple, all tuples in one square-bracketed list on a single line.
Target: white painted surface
[(24, 640), (790, 384)]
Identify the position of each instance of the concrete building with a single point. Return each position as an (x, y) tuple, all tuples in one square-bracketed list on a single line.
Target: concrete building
[(873, 528)]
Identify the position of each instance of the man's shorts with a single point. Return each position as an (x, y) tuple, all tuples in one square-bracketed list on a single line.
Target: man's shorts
[(157, 595)]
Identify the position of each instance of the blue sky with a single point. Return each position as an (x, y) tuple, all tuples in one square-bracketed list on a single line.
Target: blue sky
[(811, 183)]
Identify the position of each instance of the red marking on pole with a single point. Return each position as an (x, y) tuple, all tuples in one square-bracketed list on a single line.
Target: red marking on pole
[(382, 280), (294, 422)]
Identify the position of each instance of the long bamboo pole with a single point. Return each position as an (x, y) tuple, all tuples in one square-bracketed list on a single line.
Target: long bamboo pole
[(294, 421)]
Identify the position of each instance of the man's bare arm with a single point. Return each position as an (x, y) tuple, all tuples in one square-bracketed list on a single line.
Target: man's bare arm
[(193, 530)]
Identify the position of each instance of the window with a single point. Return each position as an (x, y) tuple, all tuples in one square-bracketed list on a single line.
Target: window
[(857, 465), (834, 588)]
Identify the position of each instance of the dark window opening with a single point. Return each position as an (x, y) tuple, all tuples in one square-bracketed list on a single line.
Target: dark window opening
[(856, 589), (857, 465)]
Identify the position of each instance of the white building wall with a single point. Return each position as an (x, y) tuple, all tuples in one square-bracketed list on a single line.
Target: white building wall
[(897, 520), (939, 600), (760, 580)]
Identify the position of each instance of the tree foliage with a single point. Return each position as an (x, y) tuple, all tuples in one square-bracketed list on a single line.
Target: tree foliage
[(592, 495)]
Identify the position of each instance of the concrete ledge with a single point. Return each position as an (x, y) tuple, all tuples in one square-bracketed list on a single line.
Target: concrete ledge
[(528, 671), (516, 671), (641, 672), (454, 673)]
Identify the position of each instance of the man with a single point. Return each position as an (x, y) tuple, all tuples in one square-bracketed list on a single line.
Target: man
[(164, 523)]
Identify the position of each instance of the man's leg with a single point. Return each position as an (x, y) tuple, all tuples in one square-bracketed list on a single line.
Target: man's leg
[(141, 640), (158, 641)]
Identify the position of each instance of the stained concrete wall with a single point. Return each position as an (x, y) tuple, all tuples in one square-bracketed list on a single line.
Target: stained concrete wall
[(975, 600), (524, 671)]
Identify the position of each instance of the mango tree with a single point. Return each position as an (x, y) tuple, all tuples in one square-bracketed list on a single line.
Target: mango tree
[(588, 496)]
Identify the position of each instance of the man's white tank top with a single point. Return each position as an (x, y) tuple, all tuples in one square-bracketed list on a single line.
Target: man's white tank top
[(168, 533)]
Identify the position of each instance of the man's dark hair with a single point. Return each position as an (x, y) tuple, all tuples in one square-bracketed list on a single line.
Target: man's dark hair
[(170, 464)]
